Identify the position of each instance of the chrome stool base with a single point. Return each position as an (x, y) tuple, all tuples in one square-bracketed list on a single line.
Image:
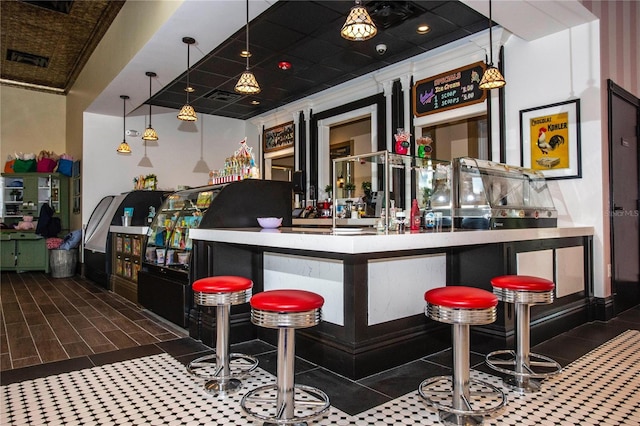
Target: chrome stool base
[(523, 377), (239, 364), (222, 388), (479, 392), (309, 403)]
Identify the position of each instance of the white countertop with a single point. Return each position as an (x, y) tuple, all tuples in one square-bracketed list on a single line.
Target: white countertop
[(323, 239), (133, 230)]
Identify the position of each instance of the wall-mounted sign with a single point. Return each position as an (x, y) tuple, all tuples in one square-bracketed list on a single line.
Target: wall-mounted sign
[(452, 89), (279, 137)]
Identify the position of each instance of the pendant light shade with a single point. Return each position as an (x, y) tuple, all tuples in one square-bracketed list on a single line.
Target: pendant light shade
[(187, 113), (150, 134), (358, 26), (124, 146), (247, 84), (492, 78)]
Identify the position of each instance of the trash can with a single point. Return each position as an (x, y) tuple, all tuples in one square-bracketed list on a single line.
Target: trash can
[(62, 263)]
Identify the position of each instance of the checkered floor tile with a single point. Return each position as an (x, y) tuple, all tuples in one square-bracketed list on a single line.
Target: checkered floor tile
[(601, 388)]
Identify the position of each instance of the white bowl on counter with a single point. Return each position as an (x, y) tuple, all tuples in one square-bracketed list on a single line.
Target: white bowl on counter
[(270, 222)]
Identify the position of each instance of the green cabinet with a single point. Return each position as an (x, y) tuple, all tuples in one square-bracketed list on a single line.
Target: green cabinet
[(23, 194), (23, 251)]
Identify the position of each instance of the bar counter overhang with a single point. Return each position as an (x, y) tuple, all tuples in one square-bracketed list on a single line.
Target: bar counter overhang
[(373, 285)]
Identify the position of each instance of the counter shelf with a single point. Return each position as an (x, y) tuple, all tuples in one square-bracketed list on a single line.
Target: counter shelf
[(373, 285)]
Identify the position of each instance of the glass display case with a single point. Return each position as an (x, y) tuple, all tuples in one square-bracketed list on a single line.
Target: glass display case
[(168, 242), (168, 265), (491, 195), (397, 178)]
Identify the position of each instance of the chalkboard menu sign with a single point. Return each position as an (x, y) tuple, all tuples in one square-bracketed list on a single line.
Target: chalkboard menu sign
[(452, 89), (279, 137)]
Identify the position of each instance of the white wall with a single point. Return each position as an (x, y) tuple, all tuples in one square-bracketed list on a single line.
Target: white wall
[(556, 68), (178, 150)]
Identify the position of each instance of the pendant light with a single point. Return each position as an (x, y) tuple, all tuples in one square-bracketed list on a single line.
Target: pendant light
[(358, 26), (247, 84), (150, 134), (124, 146), (491, 79), (187, 113)]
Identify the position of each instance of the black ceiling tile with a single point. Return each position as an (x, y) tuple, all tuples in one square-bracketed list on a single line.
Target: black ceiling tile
[(320, 61), (302, 16), (237, 108), (430, 4), (315, 50), (348, 61), (320, 73), (207, 80), (271, 36)]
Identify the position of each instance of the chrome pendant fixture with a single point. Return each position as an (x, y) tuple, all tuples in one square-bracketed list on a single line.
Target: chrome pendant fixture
[(187, 113), (247, 84), (124, 146), (492, 78), (150, 134), (358, 26)]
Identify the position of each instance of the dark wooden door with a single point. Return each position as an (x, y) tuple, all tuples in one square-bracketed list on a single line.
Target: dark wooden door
[(624, 113)]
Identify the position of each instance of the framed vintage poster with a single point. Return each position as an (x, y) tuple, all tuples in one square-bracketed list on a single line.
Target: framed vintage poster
[(279, 137), (550, 137)]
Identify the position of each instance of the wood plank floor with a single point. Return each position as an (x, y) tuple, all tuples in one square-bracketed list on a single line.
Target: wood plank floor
[(48, 319)]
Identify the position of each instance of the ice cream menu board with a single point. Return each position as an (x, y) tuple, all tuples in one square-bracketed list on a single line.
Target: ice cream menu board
[(452, 89)]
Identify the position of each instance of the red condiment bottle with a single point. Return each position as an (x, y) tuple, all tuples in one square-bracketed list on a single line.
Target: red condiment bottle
[(415, 216)]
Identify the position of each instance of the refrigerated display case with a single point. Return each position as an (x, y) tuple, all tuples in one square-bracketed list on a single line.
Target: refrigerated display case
[(163, 281), (490, 195)]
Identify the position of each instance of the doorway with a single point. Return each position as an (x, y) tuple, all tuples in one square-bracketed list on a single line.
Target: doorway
[(624, 175), (464, 138), (282, 168)]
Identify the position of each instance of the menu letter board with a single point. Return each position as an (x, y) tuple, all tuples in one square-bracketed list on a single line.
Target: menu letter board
[(279, 137), (452, 89)]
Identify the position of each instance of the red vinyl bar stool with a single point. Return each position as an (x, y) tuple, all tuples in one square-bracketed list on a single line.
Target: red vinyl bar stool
[(277, 404), (455, 396), (223, 369), (522, 366)]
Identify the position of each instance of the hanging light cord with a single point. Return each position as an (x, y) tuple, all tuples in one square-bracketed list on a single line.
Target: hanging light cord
[(149, 101), (188, 89), (490, 37), (248, 54), (124, 114)]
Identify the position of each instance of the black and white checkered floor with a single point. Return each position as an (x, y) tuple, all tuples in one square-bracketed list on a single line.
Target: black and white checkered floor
[(600, 388)]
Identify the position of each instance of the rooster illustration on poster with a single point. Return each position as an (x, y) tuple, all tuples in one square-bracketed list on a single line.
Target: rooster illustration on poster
[(549, 149)]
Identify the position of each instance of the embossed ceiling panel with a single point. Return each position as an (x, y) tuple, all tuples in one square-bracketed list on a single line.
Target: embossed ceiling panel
[(45, 29)]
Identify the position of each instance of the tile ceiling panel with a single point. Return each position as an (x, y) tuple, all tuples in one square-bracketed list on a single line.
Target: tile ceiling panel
[(67, 39), (304, 33), (307, 34)]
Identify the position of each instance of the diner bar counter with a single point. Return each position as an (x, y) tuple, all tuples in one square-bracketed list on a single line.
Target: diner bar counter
[(373, 285)]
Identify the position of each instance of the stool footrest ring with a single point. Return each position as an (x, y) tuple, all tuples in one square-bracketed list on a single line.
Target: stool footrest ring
[(438, 392), (261, 403), (536, 361), (205, 367)]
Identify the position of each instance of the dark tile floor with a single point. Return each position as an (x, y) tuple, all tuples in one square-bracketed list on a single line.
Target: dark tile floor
[(46, 319), (350, 396)]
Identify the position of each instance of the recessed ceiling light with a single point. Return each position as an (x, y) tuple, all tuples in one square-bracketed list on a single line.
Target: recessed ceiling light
[(284, 65), (245, 54), (423, 29), (254, 102)]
